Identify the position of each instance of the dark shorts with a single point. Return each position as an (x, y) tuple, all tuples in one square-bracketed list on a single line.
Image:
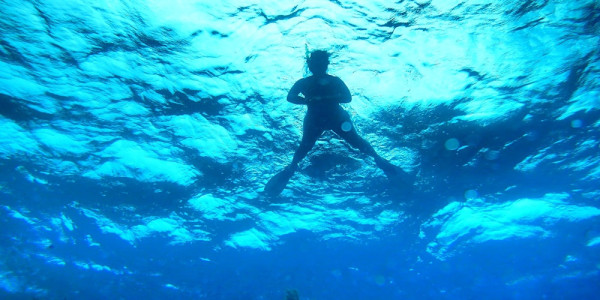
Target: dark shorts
[(331, 120), (338, 120)]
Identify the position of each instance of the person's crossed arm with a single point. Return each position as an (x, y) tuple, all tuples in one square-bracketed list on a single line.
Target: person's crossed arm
[(294, 94), (339, 94)]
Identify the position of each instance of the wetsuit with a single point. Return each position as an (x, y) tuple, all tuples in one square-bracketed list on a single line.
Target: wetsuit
[(323, 95)]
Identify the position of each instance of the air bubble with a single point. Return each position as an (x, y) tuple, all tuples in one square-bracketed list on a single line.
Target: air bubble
[(346, 126), (492, 155), (380, 280), (452, 144), (577, 123), (471, 194)]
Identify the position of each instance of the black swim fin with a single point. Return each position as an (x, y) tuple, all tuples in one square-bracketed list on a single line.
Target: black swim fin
[(276, 184)]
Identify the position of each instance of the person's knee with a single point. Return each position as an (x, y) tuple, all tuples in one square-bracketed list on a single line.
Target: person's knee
[(304, 147), (307, 142)]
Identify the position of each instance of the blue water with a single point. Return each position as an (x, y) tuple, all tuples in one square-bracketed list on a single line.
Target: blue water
[(136, 138)]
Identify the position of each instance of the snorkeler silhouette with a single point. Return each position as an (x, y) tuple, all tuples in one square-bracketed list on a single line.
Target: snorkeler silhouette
[(323, 93)]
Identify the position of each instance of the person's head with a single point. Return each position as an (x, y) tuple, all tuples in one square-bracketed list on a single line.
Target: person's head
[(318, 62)]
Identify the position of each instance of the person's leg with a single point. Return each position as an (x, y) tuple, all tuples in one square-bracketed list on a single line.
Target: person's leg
[(345, 129), (351, 136), (310, 134)]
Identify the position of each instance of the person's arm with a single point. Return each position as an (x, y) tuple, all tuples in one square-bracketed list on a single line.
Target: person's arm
[(343, 92), (294, 94)]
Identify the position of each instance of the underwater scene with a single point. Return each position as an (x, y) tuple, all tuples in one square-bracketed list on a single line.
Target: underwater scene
[(306, 149)]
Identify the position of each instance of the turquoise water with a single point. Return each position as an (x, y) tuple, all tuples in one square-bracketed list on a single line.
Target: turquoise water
[(136, 138)]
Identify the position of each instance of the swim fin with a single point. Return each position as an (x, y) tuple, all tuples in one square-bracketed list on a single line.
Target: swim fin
[(276, 184)]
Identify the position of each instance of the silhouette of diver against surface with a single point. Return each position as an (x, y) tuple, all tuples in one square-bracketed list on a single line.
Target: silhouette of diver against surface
[(292, 295), (323, 93)]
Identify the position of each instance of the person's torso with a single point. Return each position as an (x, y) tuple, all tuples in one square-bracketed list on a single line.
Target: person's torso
[(326, 113), (325, 87)]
